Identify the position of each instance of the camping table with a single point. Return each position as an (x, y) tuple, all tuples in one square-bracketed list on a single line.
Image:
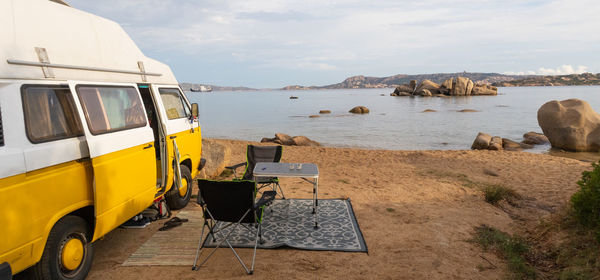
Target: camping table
[(282, 170)]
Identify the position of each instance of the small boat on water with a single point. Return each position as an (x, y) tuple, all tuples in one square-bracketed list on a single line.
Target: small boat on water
[(201, 89), (293, 97)]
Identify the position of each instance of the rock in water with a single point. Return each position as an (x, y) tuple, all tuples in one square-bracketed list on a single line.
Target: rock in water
[(359, 110), (432, 87), (462, 86), (324, 112), (534, 138), (412, 85), (570, 125), (482, 141), (495, 143), (484, 90)]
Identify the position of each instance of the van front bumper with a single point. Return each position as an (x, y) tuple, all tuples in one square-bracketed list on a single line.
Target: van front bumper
[(5, 271)]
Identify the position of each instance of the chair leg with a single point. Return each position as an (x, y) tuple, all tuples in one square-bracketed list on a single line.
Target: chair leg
[(258, 237), (200, 246)]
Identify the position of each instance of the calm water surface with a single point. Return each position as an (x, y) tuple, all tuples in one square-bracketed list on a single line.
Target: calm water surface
[(395, 123)]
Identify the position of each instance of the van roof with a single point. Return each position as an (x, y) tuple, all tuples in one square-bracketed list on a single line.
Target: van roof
[(78, 45)]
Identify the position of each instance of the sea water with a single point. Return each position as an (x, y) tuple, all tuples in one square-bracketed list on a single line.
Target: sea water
[(394, 123)]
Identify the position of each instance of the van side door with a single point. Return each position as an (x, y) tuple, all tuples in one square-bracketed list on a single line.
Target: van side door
[(120, 143), (176, 114)]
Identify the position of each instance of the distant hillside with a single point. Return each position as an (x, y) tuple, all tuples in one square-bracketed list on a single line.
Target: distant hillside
[(563, 80), (393, 81), (189, 86)]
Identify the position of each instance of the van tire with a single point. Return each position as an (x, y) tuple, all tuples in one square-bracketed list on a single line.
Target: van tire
[(50, 267), (174, 199)]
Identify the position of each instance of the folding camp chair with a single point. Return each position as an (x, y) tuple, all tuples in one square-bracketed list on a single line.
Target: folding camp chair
[(230, 204), (256, 154)]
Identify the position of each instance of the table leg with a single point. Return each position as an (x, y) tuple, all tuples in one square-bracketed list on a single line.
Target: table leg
[(316, 202)]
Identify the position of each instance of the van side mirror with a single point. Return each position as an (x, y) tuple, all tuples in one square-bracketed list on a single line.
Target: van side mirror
[(195, 110)]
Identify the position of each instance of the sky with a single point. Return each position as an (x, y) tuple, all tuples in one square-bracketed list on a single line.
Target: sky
[(274, 43)]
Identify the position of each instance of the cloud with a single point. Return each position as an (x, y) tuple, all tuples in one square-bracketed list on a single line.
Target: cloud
[(562, 70)]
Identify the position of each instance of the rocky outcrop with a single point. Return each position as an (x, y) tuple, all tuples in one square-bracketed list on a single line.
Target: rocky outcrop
[(359, 110), (484, 90), (482, 141), (462, 86), (217, 157), (284, 139), (570, 125), (534, 138), (459, 86)]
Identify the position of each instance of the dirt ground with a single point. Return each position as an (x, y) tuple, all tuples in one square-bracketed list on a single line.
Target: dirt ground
[(417, 211)]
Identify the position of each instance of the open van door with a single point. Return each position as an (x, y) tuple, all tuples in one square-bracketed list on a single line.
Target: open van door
[(120, 143)]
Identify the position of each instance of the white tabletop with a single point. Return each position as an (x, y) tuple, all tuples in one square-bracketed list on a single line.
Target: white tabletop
[(282, 169)]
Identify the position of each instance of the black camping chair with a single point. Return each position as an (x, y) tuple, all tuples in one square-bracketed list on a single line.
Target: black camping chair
[(255, 154), (230, 204)]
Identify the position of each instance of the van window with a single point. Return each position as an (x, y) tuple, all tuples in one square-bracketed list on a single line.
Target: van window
[(109, 109), (50, 113), (174, 103), (1, 131)]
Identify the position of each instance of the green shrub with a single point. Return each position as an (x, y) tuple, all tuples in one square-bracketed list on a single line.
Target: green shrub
[(586, 201), (496, 193)]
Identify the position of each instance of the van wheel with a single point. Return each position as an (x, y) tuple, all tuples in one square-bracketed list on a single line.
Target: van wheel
[(179, 198), (68, 253)]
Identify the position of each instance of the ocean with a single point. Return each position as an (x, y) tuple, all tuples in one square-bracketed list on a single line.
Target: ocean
[(394, 123)]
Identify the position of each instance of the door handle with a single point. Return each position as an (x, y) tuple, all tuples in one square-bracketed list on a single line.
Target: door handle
[(148, 147), (173, 137)]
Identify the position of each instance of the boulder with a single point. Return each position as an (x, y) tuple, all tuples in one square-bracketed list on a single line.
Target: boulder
[(283, 139), (462, 86), (482, 141), (324, 112), (424, 92), (479, 89), (495, 143), (217, 157), (428, 85), (304, 141), (313, 116), (570, 125), (413, 85), (359, 110), (447, 84), (511, 145), (267, 140), (428, 111), (467, 111), (534, 138), (403, 90)]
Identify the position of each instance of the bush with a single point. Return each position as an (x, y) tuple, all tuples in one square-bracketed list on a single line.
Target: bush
[(586, 201)]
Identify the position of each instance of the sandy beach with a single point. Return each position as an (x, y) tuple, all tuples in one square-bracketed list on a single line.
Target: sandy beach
[(417, 211)]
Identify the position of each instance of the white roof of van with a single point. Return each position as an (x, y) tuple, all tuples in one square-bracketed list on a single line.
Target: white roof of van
[(81, 45)]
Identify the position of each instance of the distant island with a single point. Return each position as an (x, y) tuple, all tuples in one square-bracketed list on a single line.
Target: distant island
[(493, 79), (562, 80)]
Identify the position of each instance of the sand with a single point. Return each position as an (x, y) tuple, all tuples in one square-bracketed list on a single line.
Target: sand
[(417, 211)]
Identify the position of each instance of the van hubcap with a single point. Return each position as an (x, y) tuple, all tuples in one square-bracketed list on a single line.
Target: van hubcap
[(72, 254), (184, 187)]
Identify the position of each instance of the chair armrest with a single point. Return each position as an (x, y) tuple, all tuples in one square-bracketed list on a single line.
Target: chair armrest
[(266, 199), (236, 166)]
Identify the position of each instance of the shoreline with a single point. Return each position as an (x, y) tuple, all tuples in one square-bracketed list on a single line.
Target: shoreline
[(548, 150)]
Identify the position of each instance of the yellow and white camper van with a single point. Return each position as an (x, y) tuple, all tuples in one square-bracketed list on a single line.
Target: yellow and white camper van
[(91, 133)]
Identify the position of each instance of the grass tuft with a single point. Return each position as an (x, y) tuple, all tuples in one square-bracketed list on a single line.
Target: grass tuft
[(344, 181), (512, 248), (496, 193)]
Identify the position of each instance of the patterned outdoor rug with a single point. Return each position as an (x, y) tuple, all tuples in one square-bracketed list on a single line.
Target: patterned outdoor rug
[(291, 224)]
